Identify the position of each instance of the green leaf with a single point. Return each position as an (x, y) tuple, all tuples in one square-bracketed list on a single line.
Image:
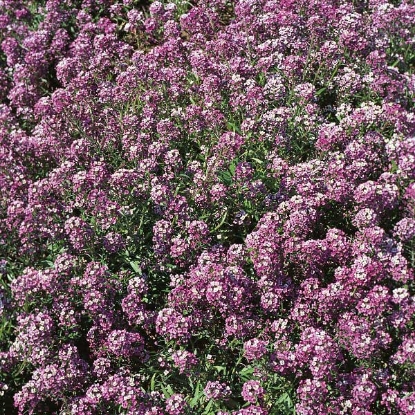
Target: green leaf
[(167, 391), (198, 393), (208, 408), (10, 277), (246, 373), (136, 267), (48, 263), (320, 91), (220, 369), (258, 160), (225, 177), (232, 166), (170, 266), (233, 127), (153, 383), (221, 222)]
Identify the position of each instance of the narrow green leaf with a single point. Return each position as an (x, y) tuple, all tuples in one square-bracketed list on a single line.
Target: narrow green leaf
[(198, 393), (153, 383), (220, 369), (320, 91), (135, 267), (208, 408), (165, 391), (221, 222)]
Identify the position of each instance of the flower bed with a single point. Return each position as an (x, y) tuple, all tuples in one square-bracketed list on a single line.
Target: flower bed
[(207, 207)]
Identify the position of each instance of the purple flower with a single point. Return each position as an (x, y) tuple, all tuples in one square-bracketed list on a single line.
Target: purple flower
[(113, 242), (172, 325), (252, 391), (185, 361), (217, 390), (125, 344), (176, 404), (255, 349)]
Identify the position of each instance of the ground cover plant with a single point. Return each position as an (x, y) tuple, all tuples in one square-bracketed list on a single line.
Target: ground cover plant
[(207, 207)]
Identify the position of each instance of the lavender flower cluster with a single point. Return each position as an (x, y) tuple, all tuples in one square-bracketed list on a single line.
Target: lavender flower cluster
[(207, 207)]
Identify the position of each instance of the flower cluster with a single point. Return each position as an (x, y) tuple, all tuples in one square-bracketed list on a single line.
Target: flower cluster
[(217, 390)]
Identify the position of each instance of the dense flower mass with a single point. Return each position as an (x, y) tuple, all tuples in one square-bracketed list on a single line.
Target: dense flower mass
[(207, 207)]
